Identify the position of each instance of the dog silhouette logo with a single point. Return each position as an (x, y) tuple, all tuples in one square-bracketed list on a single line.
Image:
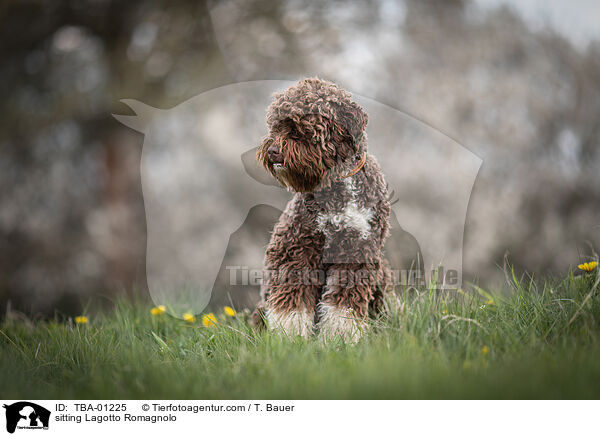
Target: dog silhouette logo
[(26, 415)]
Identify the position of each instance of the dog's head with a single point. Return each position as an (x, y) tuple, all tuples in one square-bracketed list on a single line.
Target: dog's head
[(316, 134)]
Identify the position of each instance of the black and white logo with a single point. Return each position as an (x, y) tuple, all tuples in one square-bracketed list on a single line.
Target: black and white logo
[(26, 415)]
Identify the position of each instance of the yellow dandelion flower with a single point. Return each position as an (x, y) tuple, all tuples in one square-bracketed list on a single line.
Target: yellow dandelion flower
[(81, 320), (229, 311), (189, 317), (158, 310), (588, 266), (209, 320), (489, 302), (485, 349)]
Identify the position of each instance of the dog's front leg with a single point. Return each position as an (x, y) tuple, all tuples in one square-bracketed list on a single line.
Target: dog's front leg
[(293, 278), (290, 309), (343, 308)]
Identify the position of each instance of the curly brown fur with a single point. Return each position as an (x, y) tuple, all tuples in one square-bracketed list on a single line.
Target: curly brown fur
[(324, 265)]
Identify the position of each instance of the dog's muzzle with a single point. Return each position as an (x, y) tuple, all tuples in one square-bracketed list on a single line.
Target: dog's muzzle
[(275, 157)]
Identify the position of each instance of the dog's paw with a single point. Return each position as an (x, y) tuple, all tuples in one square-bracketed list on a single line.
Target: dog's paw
[(293, 323), (340, 322)]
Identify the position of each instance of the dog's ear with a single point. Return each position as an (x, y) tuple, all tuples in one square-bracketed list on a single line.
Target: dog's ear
[(350, 125), (355, 119)]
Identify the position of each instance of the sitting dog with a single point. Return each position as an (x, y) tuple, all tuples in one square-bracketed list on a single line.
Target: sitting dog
[(324, 265)]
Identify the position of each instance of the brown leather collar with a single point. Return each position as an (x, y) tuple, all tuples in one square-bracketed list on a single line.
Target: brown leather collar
[(358, 167)]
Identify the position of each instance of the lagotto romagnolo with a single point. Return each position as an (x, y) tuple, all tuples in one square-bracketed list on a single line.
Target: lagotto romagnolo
[(324, 266)]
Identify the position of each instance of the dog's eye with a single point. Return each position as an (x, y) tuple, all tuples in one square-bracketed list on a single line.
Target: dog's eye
[(294, 133)]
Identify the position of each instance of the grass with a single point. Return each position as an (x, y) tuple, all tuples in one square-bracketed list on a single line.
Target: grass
[(542, 341)]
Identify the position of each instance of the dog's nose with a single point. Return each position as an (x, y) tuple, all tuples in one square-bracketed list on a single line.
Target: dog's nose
[(274, 155)]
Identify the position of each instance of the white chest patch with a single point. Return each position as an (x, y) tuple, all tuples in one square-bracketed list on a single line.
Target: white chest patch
[(352, 216)]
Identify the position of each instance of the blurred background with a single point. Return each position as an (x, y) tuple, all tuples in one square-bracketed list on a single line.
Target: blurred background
[(515, 82)]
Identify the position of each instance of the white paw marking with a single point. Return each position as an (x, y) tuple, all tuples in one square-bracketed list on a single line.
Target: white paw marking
[(339, 322), (294, 323)]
